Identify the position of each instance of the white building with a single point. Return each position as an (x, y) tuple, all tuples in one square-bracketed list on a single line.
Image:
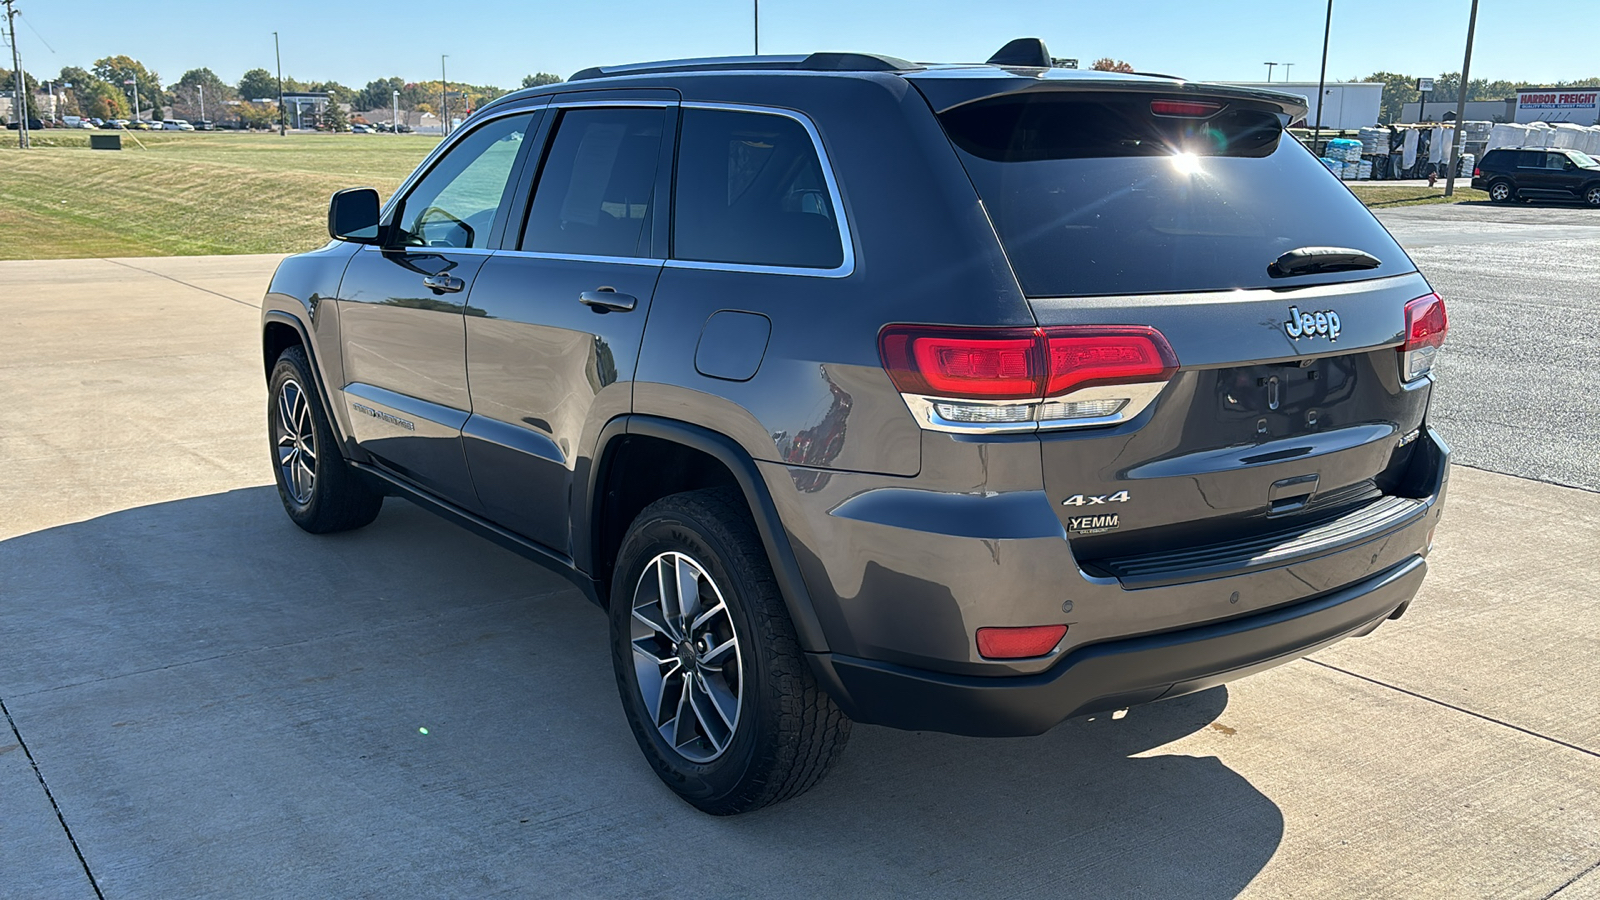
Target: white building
[(1346, 105)]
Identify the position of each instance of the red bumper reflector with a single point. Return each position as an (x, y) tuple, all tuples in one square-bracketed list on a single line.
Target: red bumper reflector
[(1019, 643)]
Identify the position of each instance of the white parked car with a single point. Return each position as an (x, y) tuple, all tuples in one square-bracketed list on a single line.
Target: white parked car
[(176, 125)]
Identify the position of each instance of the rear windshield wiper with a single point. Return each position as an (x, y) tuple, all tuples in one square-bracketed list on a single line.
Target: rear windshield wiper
[(1316, 260)]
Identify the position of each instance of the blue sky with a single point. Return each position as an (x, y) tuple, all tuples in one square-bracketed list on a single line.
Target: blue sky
[(499, 41)]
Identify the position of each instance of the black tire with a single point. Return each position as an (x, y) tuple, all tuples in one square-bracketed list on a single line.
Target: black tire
[(335, 497), (1502, 191), (1591, 195), (787, 733)]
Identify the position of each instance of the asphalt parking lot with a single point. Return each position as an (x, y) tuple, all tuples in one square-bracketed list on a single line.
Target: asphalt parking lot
[(204, 701)]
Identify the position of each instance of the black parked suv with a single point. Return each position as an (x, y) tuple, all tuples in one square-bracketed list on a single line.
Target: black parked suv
[(963, 398), (1538, 175)]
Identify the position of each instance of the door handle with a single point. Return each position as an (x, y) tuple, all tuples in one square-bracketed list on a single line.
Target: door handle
[(604, 300), (444, 284)]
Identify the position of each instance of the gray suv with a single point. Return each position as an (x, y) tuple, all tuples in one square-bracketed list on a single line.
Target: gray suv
[(963, 398)]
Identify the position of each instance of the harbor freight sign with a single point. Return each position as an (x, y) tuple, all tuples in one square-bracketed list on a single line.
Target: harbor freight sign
[(1581, 107)]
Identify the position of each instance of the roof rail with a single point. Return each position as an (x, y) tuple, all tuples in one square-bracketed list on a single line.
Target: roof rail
[(816, 62)]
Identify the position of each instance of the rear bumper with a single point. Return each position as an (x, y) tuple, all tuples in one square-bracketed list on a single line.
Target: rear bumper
[(1113, 674)]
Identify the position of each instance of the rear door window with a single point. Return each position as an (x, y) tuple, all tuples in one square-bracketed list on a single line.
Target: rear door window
[(1097, 194), (596, 190), (751, 190)]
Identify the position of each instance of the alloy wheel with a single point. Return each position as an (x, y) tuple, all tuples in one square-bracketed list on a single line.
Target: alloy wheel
[(1593, 196), (296, 437), (686, 657), (1500, 192)]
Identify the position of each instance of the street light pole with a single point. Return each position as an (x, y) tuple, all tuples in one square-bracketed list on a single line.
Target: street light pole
[(19, 79), (394, 118), (1286, 68), (1461, 105), (1269, 66), (283, 118), (758, 27), (1322, 79), (202, 102), (444, 98)]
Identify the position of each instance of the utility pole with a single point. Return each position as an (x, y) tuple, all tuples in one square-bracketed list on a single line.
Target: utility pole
[(135, 82), (444, 99), (19, 78), (283, 117), (1322, 79), (1461, 105), (394, 120), (202, 102), (1269, 66), (758, 27)]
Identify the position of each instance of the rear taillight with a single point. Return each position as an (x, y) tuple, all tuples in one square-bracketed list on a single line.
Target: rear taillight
[(1477, 171), (1021, 379), (1426, 327)]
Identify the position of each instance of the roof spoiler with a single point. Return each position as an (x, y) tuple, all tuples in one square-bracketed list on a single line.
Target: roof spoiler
[(1023, 52)]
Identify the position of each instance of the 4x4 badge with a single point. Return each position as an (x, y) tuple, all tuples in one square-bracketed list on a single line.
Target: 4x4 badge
[(1312, 324), (1096, 500)]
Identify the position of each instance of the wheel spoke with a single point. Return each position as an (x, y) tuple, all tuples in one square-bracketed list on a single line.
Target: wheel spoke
[(718, 654), (722, 700), (688, 591), (706, 615), (650, 615), (682, 724), (668, 588), (286, 408), (715, 729), (654, 674)]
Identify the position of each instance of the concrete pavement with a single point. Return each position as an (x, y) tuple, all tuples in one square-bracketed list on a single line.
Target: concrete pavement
[(1519, 378), (208, 702)]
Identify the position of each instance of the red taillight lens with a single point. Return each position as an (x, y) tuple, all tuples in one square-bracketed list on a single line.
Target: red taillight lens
[(1019, 643), (1021, 363), (1192, 109), (1427, 324), (1477, 172), (1084, 356), (964, 363)]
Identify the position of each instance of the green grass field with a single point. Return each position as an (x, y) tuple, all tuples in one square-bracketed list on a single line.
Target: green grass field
[(1378, 195), (186, 194), (181, 194)]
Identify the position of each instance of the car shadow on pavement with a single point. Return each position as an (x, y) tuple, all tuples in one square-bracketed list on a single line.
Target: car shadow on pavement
[(224, 705)]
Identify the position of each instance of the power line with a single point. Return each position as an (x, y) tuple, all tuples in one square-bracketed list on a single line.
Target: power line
[(26, 21)]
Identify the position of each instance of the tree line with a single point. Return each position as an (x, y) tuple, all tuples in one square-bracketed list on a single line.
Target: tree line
[(1400, 89), (107, 90)]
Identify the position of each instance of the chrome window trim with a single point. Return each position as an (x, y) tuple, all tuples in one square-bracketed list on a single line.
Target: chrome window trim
[(581, 257), (847, 265), (655, 103), (423, 250)]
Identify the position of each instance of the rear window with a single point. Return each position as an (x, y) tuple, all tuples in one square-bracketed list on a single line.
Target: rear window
[(751, 191), (1094, 194)]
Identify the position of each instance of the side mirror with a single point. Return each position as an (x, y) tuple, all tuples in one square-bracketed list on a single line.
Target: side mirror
[(353, 216)]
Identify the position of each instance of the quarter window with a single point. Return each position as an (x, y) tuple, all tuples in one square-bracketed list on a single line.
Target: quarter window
[(750, 190), (454, 205), (596, 191)]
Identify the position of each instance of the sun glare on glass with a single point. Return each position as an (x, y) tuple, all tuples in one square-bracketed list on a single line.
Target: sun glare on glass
[(1186, 163)]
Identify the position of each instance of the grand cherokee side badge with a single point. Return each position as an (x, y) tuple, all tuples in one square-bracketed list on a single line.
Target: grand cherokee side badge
[(1322, 323)]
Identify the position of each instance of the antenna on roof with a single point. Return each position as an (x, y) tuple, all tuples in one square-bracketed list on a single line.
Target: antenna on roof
[(1028, 52)]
